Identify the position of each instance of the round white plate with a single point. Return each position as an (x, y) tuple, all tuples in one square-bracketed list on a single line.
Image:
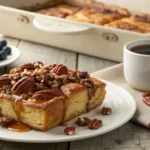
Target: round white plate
[(15, 54), (123, 108)]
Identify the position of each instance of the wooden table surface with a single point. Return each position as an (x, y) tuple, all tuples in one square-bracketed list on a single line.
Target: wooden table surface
[(128, 137)]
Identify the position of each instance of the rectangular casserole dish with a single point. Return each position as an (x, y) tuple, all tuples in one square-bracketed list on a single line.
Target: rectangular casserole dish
[(80, 37)]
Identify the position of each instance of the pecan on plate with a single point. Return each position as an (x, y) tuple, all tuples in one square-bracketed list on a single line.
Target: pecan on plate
[(95, 124), (4, 121), (83, 121), (4, 80), (106, 111), (47, 94), (60, 69), (69, 130), (28, 66), (23, 85)]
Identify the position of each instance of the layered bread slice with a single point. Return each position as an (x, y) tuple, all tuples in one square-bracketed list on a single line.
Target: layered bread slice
[(94, 16), (135, 23), (60, 11), (44, 96)]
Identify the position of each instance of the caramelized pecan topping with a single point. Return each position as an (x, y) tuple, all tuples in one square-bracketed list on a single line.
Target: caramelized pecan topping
[(60, 70), (4, 80), (47, 94), (34, 77), (28, 66), (83, 75), (23, 85), (88, 83), (4, 121)]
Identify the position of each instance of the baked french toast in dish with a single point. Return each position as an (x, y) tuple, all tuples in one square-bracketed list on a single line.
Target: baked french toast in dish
[(101, 14)]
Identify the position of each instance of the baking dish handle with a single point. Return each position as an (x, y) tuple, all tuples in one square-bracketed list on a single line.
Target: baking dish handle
[(58, 26)]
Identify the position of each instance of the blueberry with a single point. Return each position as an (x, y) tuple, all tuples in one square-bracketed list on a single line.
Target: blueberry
[(7, 49), (3, 55), (3, 42)]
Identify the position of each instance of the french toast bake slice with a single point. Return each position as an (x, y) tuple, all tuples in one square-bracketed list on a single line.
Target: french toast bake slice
[(60, 11), (134, 23), (94, 16), (44, 96)]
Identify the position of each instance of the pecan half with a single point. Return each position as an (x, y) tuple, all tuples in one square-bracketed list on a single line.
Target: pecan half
[(69, 130), (47, 94), (83, 75), (23, 85), (146, 98), (4, 80), (106, 111), (4, 121), (88, 83), (83, 121), (60, 69), (27, 66), (146, 94), (95, 124)]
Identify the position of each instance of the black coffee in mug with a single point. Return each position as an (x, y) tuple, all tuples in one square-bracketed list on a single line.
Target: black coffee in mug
[(141, 49)]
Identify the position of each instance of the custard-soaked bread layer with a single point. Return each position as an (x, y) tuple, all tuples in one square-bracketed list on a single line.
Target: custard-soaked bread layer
[(44, 96)]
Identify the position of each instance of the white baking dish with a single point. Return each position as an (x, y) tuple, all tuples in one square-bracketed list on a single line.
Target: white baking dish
[(85, 38)]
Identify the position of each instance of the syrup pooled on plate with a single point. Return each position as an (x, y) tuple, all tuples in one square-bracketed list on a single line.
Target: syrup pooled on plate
[(18, 127)]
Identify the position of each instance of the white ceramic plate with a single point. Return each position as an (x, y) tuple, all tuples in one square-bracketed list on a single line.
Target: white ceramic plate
[(123, 106), (15, 54)]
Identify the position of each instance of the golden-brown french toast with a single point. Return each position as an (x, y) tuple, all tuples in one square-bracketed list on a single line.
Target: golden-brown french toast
[(44, 96), (60, 11), (131, 24)]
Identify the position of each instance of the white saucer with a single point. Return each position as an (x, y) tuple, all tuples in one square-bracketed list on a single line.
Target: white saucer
[(15, 54)]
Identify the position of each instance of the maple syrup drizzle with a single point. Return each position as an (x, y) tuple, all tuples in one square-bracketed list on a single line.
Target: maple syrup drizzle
[(18, 127)]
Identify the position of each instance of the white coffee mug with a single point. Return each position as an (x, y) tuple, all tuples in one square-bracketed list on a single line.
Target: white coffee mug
[(137, 66)]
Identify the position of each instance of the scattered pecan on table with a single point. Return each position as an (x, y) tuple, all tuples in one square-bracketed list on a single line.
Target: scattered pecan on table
[(146, 98)]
